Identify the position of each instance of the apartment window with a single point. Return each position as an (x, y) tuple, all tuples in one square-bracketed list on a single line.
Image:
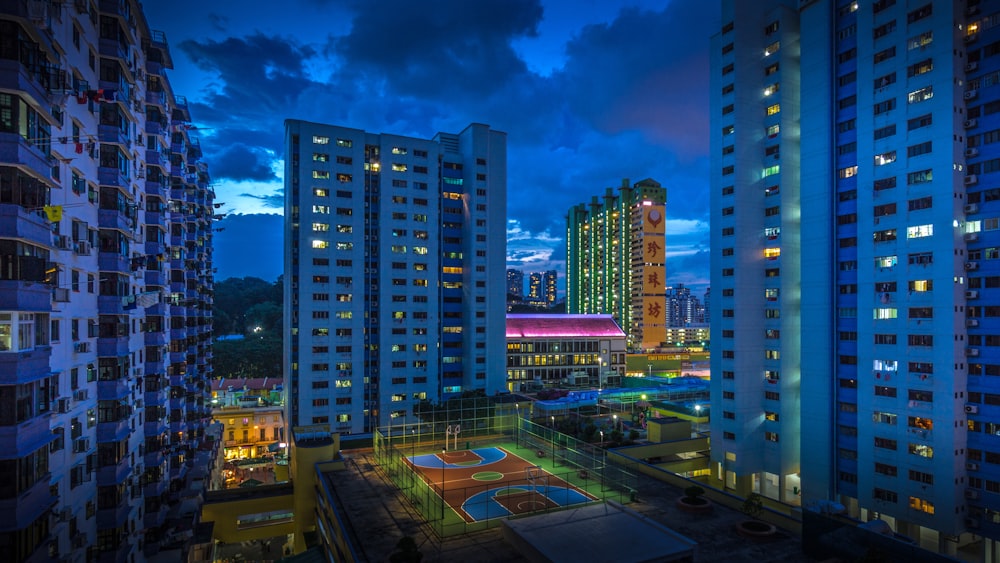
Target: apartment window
[(919, 149), (884, 132), (847, 102), (919, 68), (773, 109), (919, 13), (727, 69), (771, 69), (885, 158), (773, 130), (883, 81), (920, 177), (847, 125), (921, 40), (728, 48), (920, 95), (885, 54), (772, 48), (847, 55), (847, 172), (728, 109), (884, 391), (847, 148), (918, 122), (920, 231), (848, 78), (885, 106), (884, 29), (728, 130), (346, 143), (320, 140)]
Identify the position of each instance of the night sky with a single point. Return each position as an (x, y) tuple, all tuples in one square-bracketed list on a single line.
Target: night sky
[(588, 92)]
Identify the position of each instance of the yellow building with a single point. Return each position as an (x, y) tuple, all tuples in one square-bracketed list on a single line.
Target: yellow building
[(250, 432)]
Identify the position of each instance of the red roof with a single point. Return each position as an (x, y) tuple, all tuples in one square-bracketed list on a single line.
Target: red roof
[(572, 326)]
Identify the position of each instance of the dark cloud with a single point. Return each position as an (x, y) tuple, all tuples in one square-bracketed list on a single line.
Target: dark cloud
[(218, 22), (646, 71), (457, 48), (275, 200), (630, 101), (239, 162)]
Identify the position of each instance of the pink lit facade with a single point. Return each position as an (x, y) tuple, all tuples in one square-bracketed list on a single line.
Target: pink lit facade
[(554, 350)]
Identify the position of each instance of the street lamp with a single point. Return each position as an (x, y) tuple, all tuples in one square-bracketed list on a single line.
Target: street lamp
[(614, 426), (517, 425)]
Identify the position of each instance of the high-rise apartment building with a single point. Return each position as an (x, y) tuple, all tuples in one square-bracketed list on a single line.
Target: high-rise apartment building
[(615, 259), (852, 357), (683, 309), (389, 300), (515, 284), (535, 286), (105, 288), (550, 284)]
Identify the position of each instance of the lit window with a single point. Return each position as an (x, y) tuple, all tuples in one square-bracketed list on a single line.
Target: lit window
[(347, 143), (322, 209), (920, 95), (920, 231), (921, 505), (772, 48), (420, 250), (771, 110), (848, 171), (884, 158), (321, 157), (884, 313), (321, 192), (320, 244), (321, 174), (773, 131), (771, 89), (397, 167), (772, 253), (398, 150), (318, 140), (345, 246), (886, 261), (772, 170), (398, 248), (320, 227)]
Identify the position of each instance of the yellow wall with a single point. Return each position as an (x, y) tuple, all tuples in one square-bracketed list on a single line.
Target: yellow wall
[(223, 508), (232, 421)]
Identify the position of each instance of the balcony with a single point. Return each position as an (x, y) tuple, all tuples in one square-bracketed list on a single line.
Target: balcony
[(20, 511), (114, 431), (37, 81), (113, 389), (114, 517), (13, 148), (23, 366), (113, 176)]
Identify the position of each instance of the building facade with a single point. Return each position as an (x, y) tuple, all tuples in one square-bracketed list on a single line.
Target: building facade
[(105, 288), (550, 291), (683, 309), (515, 284), (886, 111), (615, 259), (551, 350), (388, 302)]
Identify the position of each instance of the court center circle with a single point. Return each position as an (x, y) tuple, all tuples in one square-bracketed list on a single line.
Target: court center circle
[(487, 476)]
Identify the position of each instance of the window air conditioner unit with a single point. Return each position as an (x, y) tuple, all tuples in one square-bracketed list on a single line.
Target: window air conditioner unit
[(972, 265), (970, 94), (971, 237), (82, 347), (62, 242), (971, 152), (971, 66), (971, 180), (83, 247), (972, 208), (973, 352), (971, 322), (971, 409), (60, 295), (971, 466), (972, 493), (971, 294), (62, 406), (80, 395)]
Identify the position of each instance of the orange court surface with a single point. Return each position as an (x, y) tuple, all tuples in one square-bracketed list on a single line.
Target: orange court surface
[(486, 483)]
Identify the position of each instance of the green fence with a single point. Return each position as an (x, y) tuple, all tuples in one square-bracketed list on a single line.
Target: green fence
[(579, 465)]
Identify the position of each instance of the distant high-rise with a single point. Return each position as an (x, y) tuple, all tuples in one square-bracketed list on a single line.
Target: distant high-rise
[(550, 293), (853, 227), (535, 286), (683, 309), (515, 284), (391, 245), (615, 259), (106, 287)]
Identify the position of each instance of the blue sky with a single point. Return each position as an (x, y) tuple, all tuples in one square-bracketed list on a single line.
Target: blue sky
[(588, 92)]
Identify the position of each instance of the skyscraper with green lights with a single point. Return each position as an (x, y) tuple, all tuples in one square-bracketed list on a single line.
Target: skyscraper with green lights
[(605, 254)]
